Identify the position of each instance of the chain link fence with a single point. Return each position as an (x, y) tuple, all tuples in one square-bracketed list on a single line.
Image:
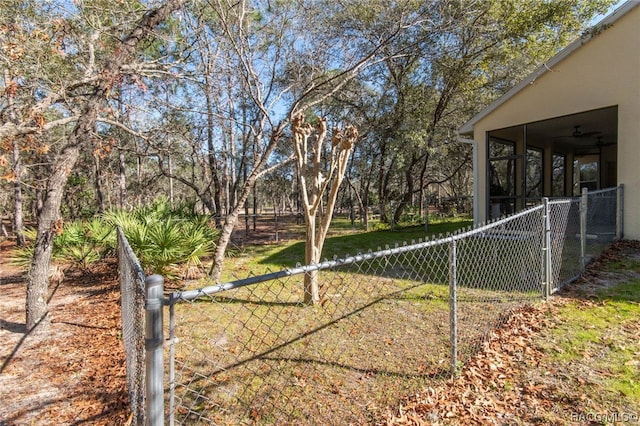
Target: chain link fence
[(390, 323), (132, 290)]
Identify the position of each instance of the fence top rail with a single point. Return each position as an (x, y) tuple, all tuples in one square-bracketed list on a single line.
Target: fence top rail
[(186, 295), (564, 200), (577, 197), (602, 191)]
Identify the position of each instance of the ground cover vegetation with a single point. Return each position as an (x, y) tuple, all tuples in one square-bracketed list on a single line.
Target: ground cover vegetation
[(574, 357), (169, 241), (381, 331)]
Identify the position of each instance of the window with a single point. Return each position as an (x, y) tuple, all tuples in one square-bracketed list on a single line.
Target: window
[(502, 170), (502, 177), (558, 173), (501, 148), (535, 173), (586, 173)]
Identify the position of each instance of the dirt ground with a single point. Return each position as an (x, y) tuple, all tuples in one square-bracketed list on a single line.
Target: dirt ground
[(70, 369)]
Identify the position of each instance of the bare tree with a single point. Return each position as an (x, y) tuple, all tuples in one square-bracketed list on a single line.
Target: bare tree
[(310, 165)]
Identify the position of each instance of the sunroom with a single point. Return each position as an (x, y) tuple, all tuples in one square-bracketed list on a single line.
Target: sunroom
[(573, 123), (551, 158)]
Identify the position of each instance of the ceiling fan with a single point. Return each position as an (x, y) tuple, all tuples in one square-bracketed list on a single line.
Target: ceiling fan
[(578, 133), (593, 147), (600, 143)]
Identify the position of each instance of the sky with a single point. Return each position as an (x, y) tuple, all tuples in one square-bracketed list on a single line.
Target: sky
[(611, 9)]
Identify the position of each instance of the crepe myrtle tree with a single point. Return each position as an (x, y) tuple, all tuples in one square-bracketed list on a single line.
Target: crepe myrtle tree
[(317, 176)]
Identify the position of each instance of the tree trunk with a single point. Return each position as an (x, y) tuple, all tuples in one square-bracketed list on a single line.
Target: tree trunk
[(225, 236), (39, 201), (122, 181), (17, 170), (232, 218), (342, 143), (311, 257), (49, 222), (170, 165), (98, 183), (17, 197), (213, 166), (408, 194), (139, 178)]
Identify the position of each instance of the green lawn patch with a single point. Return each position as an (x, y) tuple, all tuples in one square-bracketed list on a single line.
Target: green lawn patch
[(597, 343), (289, 254)]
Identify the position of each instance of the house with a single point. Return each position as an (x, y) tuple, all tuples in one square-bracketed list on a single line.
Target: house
[(573, 123)]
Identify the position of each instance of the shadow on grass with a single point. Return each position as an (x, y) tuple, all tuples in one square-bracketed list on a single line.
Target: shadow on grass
[(274, 369), (236, 300), (439, 373), (352, 244), (308, 333)]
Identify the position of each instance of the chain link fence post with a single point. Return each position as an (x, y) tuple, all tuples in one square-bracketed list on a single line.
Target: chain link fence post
[(583, 228), (154, 351), (546, 249), (172, 361), (453, 308), (619, 212)]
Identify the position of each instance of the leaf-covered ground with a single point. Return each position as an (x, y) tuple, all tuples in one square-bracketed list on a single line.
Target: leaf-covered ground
[(69, 370), (548, 365), (571, 360)]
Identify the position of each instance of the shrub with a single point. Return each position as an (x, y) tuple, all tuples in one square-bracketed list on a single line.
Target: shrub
[(167, 241)]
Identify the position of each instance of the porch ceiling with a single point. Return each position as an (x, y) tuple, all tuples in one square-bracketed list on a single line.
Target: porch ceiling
[(583, 130)]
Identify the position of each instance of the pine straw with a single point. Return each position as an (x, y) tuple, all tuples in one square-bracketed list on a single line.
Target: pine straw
[(69, 370)]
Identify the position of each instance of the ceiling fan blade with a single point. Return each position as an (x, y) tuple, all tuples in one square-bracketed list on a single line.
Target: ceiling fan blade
[(589, 134)]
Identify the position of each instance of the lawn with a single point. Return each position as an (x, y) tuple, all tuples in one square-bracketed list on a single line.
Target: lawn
[(572, 360), (343, 240), (381, 332)]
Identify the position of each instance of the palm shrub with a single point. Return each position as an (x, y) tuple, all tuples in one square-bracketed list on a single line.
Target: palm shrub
[(22, 255), (80, 243), (167, 241)]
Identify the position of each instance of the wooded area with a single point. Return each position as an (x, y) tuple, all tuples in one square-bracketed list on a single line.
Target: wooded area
[(109, 104)]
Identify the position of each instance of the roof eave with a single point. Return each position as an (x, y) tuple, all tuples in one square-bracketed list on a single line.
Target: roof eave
[(467, 128)]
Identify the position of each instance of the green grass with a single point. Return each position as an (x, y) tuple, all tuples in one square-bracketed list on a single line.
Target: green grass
[(380, 332), (629, 264), (290, 253), (371, 341), (603, 333)]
